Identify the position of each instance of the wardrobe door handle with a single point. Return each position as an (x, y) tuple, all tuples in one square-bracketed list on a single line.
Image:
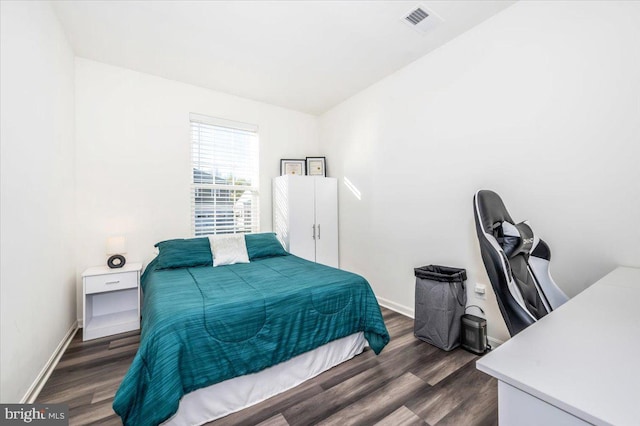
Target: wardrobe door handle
[(318, 231), (314, 231)]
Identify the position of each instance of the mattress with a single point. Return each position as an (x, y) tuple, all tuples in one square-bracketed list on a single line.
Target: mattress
[(205, 325)]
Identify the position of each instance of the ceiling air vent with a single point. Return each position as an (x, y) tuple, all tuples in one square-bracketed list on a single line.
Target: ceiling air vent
[(422, 19), (416, 16)]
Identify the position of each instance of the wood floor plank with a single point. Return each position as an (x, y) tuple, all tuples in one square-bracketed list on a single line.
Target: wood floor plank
[(447, 364), (92, 413), (351, 389), (340, 373), (401, 417), (266, 409), (398, 325), (77, 343), (317, 408), (82, 381), (479, 408), (135, 339), (106, 390), (368, 360), (437, 402), (113, 420), (74, 400), (277, 420), (378, 404), (123, 351), (388, 313), (401, 340)]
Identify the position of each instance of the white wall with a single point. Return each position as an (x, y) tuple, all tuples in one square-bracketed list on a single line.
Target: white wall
[(540, 103), (37, 274), (133, 155)]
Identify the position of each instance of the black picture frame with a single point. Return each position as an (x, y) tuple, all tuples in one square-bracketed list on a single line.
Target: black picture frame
[(316, 166), (294, 167)]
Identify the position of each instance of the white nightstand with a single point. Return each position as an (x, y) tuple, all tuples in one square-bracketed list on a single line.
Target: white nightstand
[(111, 300)]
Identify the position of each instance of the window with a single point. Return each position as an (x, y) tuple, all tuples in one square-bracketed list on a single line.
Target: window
[(224, 195)]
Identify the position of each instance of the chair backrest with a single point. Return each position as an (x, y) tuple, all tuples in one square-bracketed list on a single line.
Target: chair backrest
[(517, 263)]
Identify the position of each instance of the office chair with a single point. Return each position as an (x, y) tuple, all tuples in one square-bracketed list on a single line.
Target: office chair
[(517, 262)]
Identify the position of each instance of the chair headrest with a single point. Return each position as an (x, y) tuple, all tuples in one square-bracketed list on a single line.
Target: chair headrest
[(491, 209), (514, 239)]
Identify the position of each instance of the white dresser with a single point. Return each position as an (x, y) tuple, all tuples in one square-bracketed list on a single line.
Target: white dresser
[(305, 217)]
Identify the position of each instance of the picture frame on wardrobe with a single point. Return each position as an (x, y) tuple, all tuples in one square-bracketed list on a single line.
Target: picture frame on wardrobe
[(317, 166), (293, 167)]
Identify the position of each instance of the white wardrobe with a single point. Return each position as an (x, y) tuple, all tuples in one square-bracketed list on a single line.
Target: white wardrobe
[(305, 217)]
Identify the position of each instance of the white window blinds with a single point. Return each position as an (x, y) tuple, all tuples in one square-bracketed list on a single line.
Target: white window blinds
[(224, 190)]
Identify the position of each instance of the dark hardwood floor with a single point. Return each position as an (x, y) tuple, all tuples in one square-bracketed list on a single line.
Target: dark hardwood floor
[(409, 383)]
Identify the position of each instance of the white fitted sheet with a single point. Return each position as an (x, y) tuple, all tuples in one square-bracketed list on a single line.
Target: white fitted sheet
[(221, 399)]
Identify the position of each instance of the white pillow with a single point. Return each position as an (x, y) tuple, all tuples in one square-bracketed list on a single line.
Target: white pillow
[(228, 249)]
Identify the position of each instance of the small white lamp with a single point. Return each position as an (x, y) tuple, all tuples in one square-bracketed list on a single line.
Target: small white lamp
[(116, 247)]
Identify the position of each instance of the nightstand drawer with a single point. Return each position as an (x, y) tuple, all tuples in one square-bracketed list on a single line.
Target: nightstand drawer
[(111, 282)]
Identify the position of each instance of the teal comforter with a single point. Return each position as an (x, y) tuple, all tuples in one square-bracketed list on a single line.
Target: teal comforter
[(204, 325)]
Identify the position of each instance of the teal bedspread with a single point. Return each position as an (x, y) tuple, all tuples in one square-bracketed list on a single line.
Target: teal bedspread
[(204, 325)]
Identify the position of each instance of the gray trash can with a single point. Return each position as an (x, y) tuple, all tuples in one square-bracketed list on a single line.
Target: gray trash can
[(440, 302)]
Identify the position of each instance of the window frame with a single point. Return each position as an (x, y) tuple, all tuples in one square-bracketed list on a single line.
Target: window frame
[(252, 190)]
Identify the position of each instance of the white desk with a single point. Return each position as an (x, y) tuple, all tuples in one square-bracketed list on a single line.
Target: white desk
[(580, 364)]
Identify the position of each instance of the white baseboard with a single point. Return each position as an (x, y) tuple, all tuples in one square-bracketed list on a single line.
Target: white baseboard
[(410, 312), (45, 373), (401, 309)]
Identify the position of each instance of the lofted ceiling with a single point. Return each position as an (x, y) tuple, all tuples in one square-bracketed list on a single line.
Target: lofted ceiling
[(303, 55)]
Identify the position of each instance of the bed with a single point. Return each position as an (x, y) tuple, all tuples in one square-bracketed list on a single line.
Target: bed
[(204, 327)]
